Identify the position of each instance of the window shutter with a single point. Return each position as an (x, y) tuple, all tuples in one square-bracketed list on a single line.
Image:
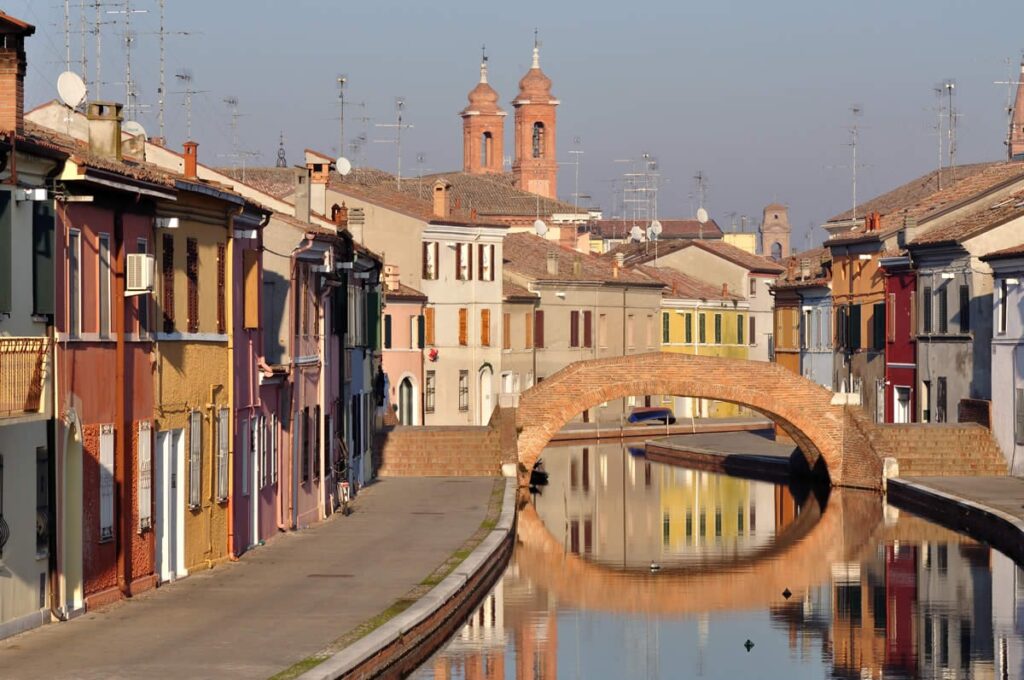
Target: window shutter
[(506, 331), (739, 329), (913, 313), (753, 331), (469, 261), (528, 325), (192, 272), (373, 319), (538, 329), (428, 322), (251, 274), (42, 256), (1019, 415), (463, 326), (222, 264), (854, 323), (387, 331), (574, 328), (943, 309), (458, 262), (195, 459), (664, 328), (965, 309), (223, 452), (426, 261), (273, 449), (106, 482), (6, 248), (485, 327), (420, 331), (890, 319), (926, 308), (588, 329), (243, 455), (144, 447), (437, 261), (167, 294), (878, 326), (480, 261), (494, 264)]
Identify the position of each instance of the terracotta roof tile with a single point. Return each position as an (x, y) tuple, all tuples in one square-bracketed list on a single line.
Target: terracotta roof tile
[(642, 253), (987, 216), (404, 292), (682, 286), (527, 254), (511, 290), (807, 269), (489, 195), (670, 228), (1005, 253)]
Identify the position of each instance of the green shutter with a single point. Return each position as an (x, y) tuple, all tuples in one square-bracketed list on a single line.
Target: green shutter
[(854, 332), (373, 319), (420, 331), (6, 244), (739, 329), (387, 331), (664, 328), (43, 273)]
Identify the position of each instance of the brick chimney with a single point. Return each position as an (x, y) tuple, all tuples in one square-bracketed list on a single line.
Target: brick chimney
[(12, 72), (105, 129), (191, 160), (391, 278), (339, 215), (725, 290), (620, 260), (552, 263), (441, 201), (301, 197)]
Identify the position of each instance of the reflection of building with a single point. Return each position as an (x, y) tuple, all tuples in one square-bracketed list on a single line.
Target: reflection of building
[(1008, 617), (478, 650)]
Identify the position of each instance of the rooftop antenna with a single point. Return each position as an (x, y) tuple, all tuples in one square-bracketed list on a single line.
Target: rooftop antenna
[(949, 86), (282, 162), (1010, 84), (232, 103), (855, 111), (129, 37), (83, 29), (398, 126), (578, 153), (162, 91), (185, 77), (97, 33), (341, 80), (67, 35)]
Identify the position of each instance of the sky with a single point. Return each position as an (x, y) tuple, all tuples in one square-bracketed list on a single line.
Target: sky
[(756, 96)]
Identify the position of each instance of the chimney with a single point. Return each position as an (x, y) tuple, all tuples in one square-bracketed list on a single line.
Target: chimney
[(105, 129), (441, 203), (577, 267), (339, 215), (301, 196), (12, 72), (319, 175), (725, 290), (391, 278), (552, 263), (910, 228), (191, 160), (620, 260)]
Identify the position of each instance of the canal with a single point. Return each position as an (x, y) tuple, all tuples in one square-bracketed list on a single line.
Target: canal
[(628, 568)]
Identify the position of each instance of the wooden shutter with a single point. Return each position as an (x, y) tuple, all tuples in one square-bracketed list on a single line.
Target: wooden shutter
[(485, 327), (426, 261), (437, 260), (588, 329), (167, 271), (192, 274), (251, 273), (428, 321), (387, 331), (106, 482), (538, 328), (965, 309), (494, 264), (528, 325), (469, 262), (195, 459), (506, 331), (463, 326), (6, 248), (480, 261), (574, 328), (913, 313), (458, 262), (223, 452), (890, 319), (926, 309), (372, 312), (144, 449), (42, 256), (222, 264), (753, 331)]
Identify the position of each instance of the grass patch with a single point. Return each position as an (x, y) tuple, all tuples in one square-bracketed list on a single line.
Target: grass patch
[(301, 667)]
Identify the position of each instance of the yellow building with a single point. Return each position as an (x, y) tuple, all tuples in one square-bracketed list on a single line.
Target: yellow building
[(697, 318)]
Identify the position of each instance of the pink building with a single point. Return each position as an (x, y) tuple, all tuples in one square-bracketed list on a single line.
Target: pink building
[(403, 347)]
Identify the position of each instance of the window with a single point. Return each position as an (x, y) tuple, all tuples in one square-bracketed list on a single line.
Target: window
[(419, 330), (485, 149), (43, 501), (222, 263), (890, 319), (304, 452), (805, 329), (664, 328), (649, 331), (463, 326), (485, 256), (143, 301), (167, 282), (106, 482), (702, 329), (428, 323), (104, 285), (588, 329), (602, 330), (574, 328), (926, 401), (718, 329), (506, 331), (387, 331), (195, 458), (6, 244), (223, 448), (144, 468), (538, 140), (753, 331), (926, 309), (688, 328), (430, 268), (485, 328), (192, 274), (463, 390), (464, 261), (1018, 412), (878, 327), (251, 292), (853, 327), (317, 452), (1004, 301), (940, 400), (43, 227), (943, 309), (538, 328), (739, 329), (753, 287), (965, 309), (528, 325), (630, 331), (429, 390), (74, 283)]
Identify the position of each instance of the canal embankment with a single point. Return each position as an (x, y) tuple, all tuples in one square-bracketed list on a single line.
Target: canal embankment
[(683, 426), (752, 454)]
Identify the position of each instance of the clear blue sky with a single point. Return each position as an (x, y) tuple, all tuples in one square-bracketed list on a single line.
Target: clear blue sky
[(754, 94)]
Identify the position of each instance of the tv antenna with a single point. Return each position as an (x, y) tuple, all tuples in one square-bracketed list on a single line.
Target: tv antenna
[(1010, 84), (856, 111), (341, 80), (282, 162), (949, 87), (398, 126), (185, 77), (232, 103), (126, 12), (162, 91)]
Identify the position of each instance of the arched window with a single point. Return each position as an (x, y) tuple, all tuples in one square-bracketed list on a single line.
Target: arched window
[(776, 251), (538, 140), (485, 149)]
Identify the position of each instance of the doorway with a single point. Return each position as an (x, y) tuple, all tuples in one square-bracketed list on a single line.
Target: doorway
[(486, 398), (901, 406), (406, 403), (170, 504), (71, 558)]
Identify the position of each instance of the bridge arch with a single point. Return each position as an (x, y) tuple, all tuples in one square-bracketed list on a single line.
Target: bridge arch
[(834, 439)]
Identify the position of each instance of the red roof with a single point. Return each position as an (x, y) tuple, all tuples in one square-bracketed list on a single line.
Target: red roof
[(642, 253), (9, 24), (1006, 253), (527, 254), (987, 216), (670, 228), (682, 286)]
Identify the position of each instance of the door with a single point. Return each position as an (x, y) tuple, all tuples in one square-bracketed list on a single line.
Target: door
[(901, 409), (170, 504), (71, 559), (405, 402), (486, 398)]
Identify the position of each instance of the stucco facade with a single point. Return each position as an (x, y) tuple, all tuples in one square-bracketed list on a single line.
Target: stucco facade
[(402, 349), (1007, 303)]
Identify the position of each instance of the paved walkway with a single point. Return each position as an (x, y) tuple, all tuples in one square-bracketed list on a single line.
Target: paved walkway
[(278, 605), (1005, 494)]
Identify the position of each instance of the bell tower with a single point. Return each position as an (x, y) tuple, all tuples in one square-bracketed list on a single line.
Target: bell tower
[(1016, 146), (483, 128), (775, 231), (535, 168)]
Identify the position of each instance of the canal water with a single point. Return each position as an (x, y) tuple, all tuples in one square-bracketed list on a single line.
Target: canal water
[(627, 568)]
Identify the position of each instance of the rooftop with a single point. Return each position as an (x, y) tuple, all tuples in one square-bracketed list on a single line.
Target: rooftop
[(807, 269), (513, 291), (682, 286), (670, 228), (642, 253), (987, 216), (527, 255)]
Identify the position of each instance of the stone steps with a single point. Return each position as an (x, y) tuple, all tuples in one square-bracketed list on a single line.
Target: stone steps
[(943, 450), (456, 451)]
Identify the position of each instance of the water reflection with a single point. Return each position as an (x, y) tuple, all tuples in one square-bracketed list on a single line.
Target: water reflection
[(823, 587)]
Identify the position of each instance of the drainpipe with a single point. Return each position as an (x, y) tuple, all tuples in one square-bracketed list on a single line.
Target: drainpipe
[(211, 408), (229, 328), (121, 471), (322, 383)]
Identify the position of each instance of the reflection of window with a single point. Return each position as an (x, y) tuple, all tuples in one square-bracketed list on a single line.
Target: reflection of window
[(538, 140), (463, 390)]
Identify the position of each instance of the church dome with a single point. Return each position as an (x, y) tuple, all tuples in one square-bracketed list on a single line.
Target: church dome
[(483, 98), (535, 86)]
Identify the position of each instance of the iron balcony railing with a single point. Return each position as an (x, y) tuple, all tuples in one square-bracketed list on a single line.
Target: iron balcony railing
[(22, 368)]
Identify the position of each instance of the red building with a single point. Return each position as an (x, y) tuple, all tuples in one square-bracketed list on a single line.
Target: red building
[(901, 339)]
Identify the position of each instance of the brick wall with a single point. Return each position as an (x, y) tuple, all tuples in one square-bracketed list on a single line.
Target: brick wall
[(942, 449), (407, 451), (975, 411)]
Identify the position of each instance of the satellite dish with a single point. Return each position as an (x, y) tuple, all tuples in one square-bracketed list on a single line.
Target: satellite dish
[(134, 128), (651, 234), (702, 215), (71, 88), (343, 166), (539, 228), (655, 228), (636, 233)]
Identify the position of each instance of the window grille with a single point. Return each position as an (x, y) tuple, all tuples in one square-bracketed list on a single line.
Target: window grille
[(223, 449), (195, 459), (144, 450)]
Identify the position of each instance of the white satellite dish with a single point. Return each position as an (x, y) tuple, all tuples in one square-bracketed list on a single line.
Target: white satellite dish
[(71, 88), (702, 215), (636, 233), (343, 166), (651, 234), (539, 228), (134, 128), (655, 228)]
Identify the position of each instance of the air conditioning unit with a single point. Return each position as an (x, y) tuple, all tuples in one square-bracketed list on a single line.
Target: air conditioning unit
[(140, 273)]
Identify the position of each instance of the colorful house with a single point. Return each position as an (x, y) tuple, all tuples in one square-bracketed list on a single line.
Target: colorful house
[(900, 338), (403, 341), (803, 316)]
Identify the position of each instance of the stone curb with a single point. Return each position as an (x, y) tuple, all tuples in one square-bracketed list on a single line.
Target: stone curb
[(752, 466), (1001, 530), (453, 587)]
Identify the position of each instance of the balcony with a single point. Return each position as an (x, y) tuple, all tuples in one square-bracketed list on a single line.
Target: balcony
[(22, 372)]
